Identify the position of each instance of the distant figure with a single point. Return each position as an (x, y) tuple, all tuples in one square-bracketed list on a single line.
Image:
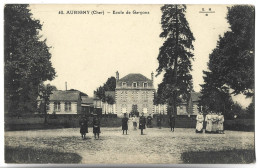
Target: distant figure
[(172, 122), (96, 126), (209, 122), (149, 121), (220, 123), (199, 125), (124, 124), (214, 119), (142, 122), (83, 122), (134, 122), (159, 121)]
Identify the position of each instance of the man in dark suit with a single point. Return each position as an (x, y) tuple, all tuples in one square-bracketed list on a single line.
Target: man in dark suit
[(142, 122), (124, 124)]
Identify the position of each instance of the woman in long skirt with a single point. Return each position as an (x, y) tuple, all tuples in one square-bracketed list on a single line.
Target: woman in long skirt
[(199, 125), (220, 123), (209, 122), (214, 123)]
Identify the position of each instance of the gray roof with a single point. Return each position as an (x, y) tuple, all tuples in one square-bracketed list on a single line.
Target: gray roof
[(61, 95), (87, 100), (134, 77)]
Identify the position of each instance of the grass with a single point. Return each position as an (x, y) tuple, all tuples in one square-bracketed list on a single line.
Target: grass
[(31, 155), (235, 156)]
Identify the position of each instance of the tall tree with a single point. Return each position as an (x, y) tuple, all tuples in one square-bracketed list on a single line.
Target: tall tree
[(231, 63), (175, 55), (26, 59)]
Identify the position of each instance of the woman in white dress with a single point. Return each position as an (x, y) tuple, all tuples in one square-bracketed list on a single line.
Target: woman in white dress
[(199, 125), (209, 122), (214, 123), (220, 123)]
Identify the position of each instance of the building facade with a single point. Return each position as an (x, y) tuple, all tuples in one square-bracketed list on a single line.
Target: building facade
[(134, 92)]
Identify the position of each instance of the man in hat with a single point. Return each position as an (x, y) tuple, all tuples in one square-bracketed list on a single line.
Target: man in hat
[(124, 124), (142, 122), (96, 126), (172, 122), (83, 122)]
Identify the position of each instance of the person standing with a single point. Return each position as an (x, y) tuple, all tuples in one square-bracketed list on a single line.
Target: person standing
[(220, 123), (159, 121), (142, 122), (199, 125), (172, 122), (124, 124), (83, 127), (149, 121), (209, 122), (96, 126), (134, 122), (214, 119)]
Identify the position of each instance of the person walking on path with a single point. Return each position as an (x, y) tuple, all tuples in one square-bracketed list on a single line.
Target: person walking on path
[(142, 122), (172, 122), (83, 122), (96, 126), (199, 125), (124, 124)]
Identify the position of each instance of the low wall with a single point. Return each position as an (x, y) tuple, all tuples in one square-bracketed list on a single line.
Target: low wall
[(72, 121)]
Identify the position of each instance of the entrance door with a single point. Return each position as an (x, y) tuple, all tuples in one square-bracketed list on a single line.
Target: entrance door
[(134, 110)]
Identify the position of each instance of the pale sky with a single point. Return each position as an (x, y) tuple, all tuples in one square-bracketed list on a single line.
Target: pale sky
[(87, 49)]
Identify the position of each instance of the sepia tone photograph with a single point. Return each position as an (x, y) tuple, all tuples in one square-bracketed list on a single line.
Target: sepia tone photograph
[(129, 84)]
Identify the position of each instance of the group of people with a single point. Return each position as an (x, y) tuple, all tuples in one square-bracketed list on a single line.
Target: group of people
[(214, 123), (143, 122), (83, 122)]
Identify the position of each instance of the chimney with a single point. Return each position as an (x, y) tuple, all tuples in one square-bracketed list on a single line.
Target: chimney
[(117, 76), (152, 76), (66, 86)]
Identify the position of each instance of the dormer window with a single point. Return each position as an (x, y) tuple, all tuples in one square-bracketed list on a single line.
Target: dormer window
[(145, 85), (123, 84), (134, 84)]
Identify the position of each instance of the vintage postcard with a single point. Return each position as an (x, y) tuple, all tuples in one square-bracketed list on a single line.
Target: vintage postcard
[(129, 84)]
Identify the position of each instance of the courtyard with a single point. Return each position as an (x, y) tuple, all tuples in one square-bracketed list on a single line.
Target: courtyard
[(157, 146)]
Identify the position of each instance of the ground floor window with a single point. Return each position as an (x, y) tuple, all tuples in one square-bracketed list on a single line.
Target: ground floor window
[(56, 106)]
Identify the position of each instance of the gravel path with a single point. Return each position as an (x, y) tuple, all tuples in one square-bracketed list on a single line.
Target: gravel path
[(156, 146)]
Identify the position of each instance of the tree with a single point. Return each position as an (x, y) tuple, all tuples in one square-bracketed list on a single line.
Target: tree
[(110, 85), (175, 56), (44, 93), (231, 63), (26, 59)]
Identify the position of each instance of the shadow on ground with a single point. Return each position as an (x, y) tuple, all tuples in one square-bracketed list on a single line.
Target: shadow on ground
[(32, 155), (234, 156)]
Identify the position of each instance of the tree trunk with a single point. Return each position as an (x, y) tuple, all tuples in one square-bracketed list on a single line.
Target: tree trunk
[(176, 63)]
